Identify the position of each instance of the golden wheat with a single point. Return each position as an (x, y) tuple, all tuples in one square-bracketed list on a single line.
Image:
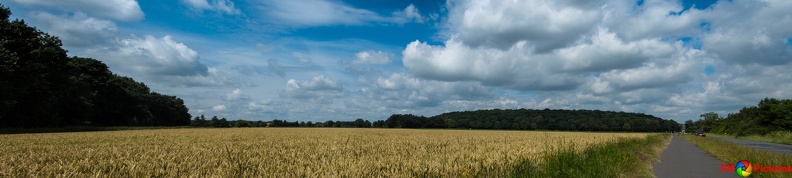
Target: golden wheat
[(282, 152)]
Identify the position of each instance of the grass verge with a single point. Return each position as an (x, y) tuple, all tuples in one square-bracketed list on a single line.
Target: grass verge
[(624, 158), (731, 153), (782, 137)]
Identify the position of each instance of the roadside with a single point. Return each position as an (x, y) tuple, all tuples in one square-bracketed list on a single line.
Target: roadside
[(683, 159), (731, 153), (781, 148)]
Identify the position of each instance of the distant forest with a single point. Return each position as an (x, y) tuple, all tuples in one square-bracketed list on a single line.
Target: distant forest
[(770, 115), (534, 119), (519, 119), (40, 86)]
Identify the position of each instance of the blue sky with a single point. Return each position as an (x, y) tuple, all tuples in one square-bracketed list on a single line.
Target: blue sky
[(318, 60)]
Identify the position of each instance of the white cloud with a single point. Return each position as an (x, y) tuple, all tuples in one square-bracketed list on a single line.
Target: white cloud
[(409, 14), (77, 30), (402, 91), (236, 95), (606, 51), (264, 105), (650, 75), (319, 88), (652, 19), (292, 13), (124, 10), (747, 32), (514, 68), (224, 6), (150, 55), (372, 57), (158, 61), (219, 107), (214, 77), (544, 25), (613, 54)]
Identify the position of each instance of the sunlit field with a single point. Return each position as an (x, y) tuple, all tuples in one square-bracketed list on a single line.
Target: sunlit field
[(283, 152)]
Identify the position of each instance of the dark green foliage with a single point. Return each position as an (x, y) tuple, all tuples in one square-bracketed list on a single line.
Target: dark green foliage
[(40, 86), (215, 122), (33, 75), (769, 115), (378, 124), (530, 119), (242, 123)]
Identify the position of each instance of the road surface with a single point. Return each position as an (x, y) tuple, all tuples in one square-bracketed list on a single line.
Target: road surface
[(760, 145), (683, 159)]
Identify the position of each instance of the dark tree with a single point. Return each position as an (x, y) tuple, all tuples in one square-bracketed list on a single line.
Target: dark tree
[(547, 119), (34, 78), (40, 86)]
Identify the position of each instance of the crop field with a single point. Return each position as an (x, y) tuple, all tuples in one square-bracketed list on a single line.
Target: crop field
[(284, 152)]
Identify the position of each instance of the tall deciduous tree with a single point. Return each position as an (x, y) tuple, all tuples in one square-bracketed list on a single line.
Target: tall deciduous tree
[(33, 74), (40, 86)]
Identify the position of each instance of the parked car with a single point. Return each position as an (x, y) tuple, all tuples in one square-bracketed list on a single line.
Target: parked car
[(701, 133)]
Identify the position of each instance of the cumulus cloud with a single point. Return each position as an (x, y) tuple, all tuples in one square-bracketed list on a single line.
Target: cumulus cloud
[(544, 25), (652, 19), (319, 88), (558, 45), (657, 56), (746, 32), (650, 75), (124, 10), (77, 30), (604, 51), (159, 56), (223, 6), (458, 62), (263, 105), (519, 67), (326, 12), (159, 60), (554, 45), (372, 57), (403, 91), (236, 95), (219, 107)]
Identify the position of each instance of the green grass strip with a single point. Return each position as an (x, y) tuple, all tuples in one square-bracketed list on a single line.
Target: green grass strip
[(781, 137), (624, 158), (731, 153)]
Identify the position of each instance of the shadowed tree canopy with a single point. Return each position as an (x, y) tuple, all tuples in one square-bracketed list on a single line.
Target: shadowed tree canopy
[(532, 119), (40, 86)]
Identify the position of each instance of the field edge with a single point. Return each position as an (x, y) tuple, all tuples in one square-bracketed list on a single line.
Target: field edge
[(731, 153), (623, 158)]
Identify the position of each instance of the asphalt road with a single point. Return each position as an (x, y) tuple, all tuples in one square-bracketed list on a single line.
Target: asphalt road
[(683, 159), (760, 145)]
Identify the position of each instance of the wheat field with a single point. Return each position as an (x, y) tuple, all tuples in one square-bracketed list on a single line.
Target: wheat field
[(283, 152)]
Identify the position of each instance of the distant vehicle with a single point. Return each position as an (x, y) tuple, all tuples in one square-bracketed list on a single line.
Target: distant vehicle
[(701, 133)]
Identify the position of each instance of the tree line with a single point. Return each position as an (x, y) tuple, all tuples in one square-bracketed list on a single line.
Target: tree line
[(769, 115), (41, 86), (201, 121), (518, 119), (534, 119)]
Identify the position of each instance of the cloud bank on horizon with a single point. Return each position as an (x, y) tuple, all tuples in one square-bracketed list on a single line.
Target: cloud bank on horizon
[(318, 60)]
